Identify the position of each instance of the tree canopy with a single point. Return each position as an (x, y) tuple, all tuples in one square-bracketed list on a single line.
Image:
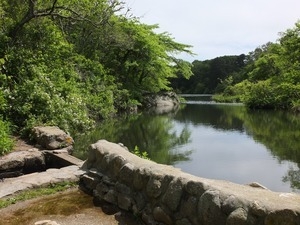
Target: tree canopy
[(70, 63), (272, 74), (209, 75)]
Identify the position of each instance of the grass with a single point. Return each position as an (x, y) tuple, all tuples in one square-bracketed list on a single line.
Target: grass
[(33, 193)]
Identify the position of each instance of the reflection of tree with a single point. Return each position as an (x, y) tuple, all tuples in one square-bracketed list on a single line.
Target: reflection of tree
[(154, 134), (218, 116), (278, 131), (178, 156), (109, 130), (293, 176)]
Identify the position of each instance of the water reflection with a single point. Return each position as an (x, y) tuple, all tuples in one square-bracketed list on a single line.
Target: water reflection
[(221, 141), (223, 117), (154, 134)]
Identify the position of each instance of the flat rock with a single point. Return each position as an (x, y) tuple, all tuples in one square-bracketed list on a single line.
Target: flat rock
[(22, 161), (10, 186)]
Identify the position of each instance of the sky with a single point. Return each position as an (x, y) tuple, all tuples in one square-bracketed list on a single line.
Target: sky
[(219, 27)]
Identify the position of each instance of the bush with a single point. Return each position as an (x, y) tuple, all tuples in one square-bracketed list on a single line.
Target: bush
[(234, 93), (265, 94), (6, 142), (41, 101), (3, 103), (296, 106)]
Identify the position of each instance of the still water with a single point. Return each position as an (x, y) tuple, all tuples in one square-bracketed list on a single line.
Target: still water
[(211, 140)]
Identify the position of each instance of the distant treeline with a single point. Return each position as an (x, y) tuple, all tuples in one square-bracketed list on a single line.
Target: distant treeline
[(209, 75), (268, 77)]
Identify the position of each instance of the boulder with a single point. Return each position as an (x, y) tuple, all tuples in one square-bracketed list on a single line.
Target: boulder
[(20, 162), (51, 137), (161, 103)]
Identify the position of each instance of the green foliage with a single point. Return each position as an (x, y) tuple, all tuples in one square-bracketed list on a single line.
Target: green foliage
[(140, 58), (265, 94), (3, 102), (296, 105), (70, 63), (233, 93), (43, 92), (6, 143), (266, 66), (226, 98), (139, 153), (261, 95), (210, 76), (272, 75), (39, 101), (97, 87)]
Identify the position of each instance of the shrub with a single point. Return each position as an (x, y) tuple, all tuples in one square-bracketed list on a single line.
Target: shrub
[(261, 95), (41, 101), (296, 106), (6, 142), (266, 94), (235, 93), (3, 103), (139, 153)]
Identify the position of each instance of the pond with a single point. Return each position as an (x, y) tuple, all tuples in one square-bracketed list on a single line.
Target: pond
[(213, 140)]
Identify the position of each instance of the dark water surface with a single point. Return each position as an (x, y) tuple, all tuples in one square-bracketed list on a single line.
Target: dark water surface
[(218, 141)]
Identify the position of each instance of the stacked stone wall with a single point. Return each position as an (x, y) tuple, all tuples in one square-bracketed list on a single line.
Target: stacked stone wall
[(161, 194)]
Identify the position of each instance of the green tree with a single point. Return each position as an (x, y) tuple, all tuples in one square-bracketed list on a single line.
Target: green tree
[(266, 65), (209, 75), (70, 63), (271, 77), (140, 59)]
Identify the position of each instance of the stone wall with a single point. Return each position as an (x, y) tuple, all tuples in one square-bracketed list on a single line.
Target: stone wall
[(160, 194)]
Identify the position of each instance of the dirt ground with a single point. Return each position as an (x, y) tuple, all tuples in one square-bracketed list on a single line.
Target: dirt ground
[(70, 207), (21, 145)]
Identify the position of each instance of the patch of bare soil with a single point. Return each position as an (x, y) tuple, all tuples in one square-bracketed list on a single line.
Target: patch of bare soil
[(21, 145), (71, 207)]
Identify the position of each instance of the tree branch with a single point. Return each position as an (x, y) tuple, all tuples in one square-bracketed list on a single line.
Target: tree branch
[(57, 11)]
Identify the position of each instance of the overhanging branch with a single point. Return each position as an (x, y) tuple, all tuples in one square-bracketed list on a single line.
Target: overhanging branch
[(61, 12)]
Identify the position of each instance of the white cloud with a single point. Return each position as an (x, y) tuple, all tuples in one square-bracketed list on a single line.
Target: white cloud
[(219, 27)]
